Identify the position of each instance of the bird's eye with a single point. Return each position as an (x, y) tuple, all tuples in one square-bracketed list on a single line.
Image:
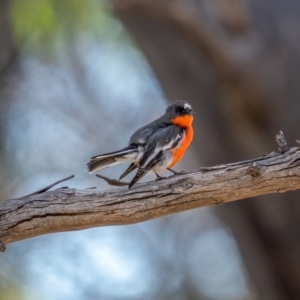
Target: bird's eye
[(179, 109)]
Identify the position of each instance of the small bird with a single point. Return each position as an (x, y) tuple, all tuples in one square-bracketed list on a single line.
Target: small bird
[(156, 146)]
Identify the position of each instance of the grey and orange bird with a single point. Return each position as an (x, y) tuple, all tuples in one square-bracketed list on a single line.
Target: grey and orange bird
[(157, 146)]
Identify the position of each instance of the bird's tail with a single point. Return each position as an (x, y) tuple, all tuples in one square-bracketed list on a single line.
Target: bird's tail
[(132, 167), (140, 173), (103, 161)]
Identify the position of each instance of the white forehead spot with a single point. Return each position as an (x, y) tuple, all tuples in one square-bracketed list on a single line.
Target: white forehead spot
[(187, 106)]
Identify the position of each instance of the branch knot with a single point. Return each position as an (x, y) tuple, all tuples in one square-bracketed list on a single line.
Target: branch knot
[(281, 142), (254, 169)]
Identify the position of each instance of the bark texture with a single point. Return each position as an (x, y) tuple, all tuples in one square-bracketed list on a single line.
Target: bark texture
[(71, 209)]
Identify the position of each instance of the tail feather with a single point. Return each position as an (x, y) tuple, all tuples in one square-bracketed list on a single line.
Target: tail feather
[(119, 152), (140, 173), (132, 167), (103, 161), (96, 165)]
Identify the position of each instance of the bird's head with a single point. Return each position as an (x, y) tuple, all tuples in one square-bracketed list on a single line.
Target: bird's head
[(179, 108)]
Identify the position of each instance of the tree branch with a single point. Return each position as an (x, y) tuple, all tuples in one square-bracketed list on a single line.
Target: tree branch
[(71, 209)]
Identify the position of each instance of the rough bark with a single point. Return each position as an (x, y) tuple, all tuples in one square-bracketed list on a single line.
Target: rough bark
[(71, 209)]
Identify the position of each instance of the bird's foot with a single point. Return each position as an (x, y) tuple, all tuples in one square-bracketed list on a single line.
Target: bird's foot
[(176, 173), (159, 177)]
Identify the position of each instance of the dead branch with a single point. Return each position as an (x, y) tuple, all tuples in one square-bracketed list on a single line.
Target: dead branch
[(71, 209), (48, 187)]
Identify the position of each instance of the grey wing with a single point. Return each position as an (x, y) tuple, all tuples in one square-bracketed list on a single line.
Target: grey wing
[(143, 171), (163, 139), (141, 136), (138, 140), (144, 133)]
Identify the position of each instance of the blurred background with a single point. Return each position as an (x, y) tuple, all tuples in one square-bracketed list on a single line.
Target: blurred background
[(78, 77)]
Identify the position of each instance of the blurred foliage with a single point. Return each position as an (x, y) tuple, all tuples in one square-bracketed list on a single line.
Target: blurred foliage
[(9, 290), (42, 25)]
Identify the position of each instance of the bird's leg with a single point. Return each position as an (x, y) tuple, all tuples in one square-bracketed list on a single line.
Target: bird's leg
[(176, 173), (159, 177)]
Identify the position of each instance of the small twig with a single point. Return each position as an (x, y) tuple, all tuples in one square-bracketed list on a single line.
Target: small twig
[(51, 185), (2, 246), (114, 182), (281, 142)]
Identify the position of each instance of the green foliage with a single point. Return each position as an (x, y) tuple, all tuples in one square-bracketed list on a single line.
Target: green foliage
[(42, 25), (35, 20)]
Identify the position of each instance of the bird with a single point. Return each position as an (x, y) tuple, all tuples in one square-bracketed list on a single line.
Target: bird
[(156, 147)]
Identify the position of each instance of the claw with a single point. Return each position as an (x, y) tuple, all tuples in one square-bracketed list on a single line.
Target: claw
[(159, 177), (176, 173)]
